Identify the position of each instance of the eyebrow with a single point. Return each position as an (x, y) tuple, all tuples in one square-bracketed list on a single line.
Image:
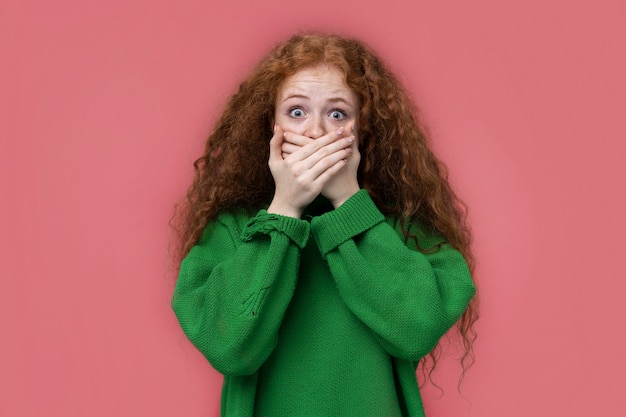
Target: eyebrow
[(332, 100)]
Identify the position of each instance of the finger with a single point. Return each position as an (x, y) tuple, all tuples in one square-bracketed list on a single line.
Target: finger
[(344, 147), (289, 148), (319, 143), (276, 143), (352, 128), (327, 163), (296, 139), (330, 172)]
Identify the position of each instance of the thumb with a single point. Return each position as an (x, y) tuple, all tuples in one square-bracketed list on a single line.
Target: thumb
[(276, 143), (354, 130)]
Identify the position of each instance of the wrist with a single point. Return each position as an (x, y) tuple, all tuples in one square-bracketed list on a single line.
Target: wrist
[(337, 202), (284, 210)]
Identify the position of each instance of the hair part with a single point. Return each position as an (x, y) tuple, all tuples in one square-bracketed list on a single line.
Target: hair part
[(398, 169)]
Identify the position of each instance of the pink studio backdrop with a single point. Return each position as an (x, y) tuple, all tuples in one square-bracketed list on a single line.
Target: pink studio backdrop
[(106, 104)]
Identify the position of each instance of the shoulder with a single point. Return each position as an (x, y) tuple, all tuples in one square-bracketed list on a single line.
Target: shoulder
[(235, 221), (223, 232)]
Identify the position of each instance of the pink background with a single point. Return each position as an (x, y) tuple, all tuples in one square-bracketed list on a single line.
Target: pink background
[(104, 105)]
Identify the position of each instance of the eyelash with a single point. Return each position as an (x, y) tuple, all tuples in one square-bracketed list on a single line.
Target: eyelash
[(292, 109), (343, 113)]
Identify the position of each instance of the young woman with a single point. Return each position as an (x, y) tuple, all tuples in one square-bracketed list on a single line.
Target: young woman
[(323, 251)]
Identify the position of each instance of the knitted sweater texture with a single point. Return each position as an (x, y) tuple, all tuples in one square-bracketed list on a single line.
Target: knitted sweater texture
[(320, 317)]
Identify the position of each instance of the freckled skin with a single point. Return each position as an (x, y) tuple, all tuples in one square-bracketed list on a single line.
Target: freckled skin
[(314, 147), (318, 91)]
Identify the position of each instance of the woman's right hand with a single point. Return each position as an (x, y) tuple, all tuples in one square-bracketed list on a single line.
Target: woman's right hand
[(301, 175)]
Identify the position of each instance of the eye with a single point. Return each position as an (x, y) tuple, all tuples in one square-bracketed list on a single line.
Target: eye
[(337, 115), (296, 112)]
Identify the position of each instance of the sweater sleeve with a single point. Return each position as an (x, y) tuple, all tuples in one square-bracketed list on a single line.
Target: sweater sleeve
[(409, 299), (235, 285)]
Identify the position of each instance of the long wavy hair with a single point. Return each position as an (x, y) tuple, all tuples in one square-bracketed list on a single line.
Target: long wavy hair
[(398, 169)]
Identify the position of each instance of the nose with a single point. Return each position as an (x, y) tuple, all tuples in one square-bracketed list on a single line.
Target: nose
[(315, 127)]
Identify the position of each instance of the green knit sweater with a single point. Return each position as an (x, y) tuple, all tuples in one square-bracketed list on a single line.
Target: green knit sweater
[(326, 316)]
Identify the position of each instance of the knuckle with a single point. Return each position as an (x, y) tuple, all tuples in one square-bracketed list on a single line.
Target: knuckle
[(297, 169), (302, 183)]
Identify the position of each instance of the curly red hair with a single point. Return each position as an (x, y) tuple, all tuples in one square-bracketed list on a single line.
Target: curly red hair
[(398, 169)]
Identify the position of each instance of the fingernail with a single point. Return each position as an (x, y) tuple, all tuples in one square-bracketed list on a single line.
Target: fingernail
[(340, 130), (350, 140), (285, 135), (275, 127)]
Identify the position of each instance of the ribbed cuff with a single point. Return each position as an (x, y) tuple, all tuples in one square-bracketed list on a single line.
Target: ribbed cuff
[(263, 223), (355, 216)]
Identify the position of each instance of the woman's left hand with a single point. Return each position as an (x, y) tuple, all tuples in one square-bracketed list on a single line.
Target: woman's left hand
[(344, 183)]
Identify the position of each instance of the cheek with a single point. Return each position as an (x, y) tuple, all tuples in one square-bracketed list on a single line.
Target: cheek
[(280, 118), (290, 125)]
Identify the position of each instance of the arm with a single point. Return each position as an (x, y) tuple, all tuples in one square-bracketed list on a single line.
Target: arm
[(407, 298), (233, 288)]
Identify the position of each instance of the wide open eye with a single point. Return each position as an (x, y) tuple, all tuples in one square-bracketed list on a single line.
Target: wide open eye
[(337, 115), (296, 112)]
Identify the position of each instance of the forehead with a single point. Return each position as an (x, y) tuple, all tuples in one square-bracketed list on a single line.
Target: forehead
[(319, 79)]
